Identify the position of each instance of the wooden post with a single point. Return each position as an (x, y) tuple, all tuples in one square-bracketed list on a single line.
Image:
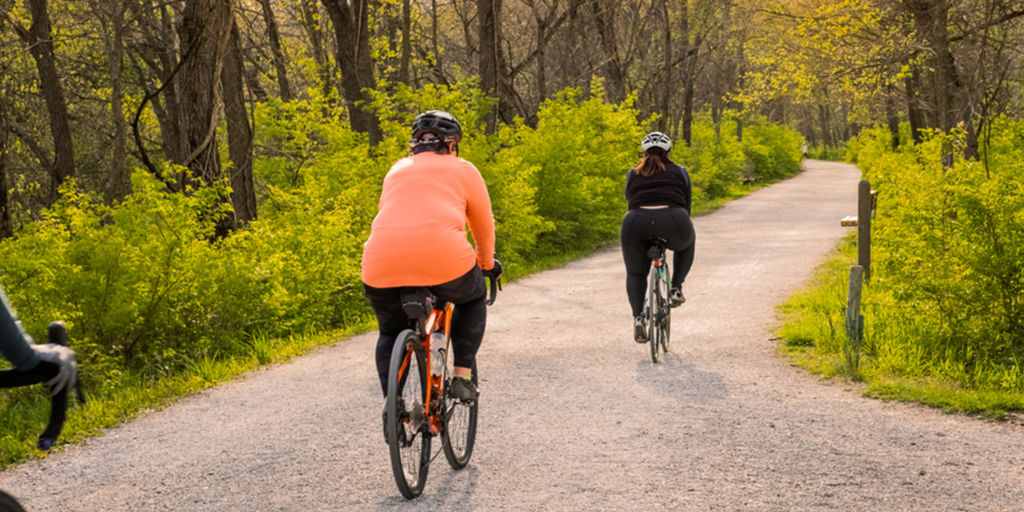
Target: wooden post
[(854, 320), (864, 227)]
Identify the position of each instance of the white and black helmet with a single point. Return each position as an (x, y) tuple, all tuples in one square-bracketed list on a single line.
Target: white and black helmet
[(656, 140)]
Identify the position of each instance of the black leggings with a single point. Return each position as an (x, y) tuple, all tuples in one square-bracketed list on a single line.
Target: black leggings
[(468, 293), (640, 225)]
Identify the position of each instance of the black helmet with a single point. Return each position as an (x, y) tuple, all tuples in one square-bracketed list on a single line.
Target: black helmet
[(439, 122)]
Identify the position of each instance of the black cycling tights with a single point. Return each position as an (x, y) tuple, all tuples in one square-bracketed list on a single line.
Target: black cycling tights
[(468, 293), (638, 227)]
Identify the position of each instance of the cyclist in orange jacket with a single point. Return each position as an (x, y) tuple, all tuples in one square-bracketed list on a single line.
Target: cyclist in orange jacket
[(418, 239)]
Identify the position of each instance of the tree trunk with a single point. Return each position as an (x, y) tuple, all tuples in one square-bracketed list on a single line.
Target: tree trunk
[(119, 183), (611, 65), (689, 74), (931, 17), (825, 119), (6, 230), (280, 64), (205, 31), (892, 117), (350, 20), (914, 114), (39, 39), (155, 32), (311, 24), (243, 196), (492, 62), (405, 56), (666, 67)]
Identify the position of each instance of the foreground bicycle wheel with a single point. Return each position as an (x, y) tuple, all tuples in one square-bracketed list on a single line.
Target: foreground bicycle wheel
[(9, 504), (407, 426), (654, 307), (459, 432)]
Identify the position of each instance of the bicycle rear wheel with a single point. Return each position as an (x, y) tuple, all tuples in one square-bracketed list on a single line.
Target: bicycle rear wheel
[(654, 306), (666, 310), (459, 433), (408, 438)]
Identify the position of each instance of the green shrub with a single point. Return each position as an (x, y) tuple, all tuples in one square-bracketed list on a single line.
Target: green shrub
[(948, 258)]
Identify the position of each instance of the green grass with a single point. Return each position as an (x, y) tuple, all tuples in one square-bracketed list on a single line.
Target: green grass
[(889, 365), (123, 397)]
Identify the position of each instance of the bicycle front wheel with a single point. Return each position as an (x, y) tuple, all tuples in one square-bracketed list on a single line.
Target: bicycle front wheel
[(654, 313), (407, 425), (9, 504), (459, 432)]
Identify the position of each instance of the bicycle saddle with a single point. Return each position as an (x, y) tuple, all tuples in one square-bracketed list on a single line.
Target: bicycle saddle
[(656, 248), (417, 303)]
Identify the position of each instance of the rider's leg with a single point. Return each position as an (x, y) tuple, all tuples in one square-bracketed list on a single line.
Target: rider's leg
[(469, 293), (634, 254), (391, 319), (681, 241)]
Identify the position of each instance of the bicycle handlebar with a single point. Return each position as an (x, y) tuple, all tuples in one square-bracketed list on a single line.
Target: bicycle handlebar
[(58, 402), (492, 292)]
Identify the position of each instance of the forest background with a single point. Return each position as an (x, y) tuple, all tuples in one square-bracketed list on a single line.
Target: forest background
[(188, 183)]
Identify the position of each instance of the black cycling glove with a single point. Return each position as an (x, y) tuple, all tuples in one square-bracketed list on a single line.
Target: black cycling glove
[(495, 271)]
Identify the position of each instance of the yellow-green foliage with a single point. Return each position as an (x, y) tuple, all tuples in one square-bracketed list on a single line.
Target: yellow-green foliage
[(947, 296), (150, 296)]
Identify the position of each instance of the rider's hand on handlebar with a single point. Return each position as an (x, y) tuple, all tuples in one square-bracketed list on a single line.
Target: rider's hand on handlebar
[(63, 357), (494, 271)]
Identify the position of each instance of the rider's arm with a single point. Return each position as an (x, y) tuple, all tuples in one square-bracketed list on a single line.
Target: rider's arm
[(15, 343), (480, 217), (687, 190)]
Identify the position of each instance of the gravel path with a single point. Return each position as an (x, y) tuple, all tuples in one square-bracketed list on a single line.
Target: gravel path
[(573, 415)]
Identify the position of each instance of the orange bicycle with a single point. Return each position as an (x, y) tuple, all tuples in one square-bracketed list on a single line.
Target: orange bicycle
[(419, 406)]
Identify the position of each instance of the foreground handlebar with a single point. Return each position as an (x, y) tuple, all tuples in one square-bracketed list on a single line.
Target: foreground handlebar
[(492, 291), (58, 334), (59, 402)]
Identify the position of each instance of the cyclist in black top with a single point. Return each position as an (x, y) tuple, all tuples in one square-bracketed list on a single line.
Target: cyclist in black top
[(659, 193), (53, 363)]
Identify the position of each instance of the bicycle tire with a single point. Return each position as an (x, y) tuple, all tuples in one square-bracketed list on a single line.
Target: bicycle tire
[(9, 504), (653, 313), (666, 310), (459, 421), (408, 439)]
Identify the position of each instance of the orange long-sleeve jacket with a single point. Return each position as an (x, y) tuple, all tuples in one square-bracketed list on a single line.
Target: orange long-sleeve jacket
[(418, 237)]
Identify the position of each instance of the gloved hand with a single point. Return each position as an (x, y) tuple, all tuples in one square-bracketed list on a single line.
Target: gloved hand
[(494, 271), (63, 357)]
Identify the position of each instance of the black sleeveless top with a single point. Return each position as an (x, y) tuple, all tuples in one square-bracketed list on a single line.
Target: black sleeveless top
[(670, 187)]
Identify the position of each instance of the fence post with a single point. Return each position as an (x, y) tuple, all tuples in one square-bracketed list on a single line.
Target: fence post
[(864, 227), (854, 320)]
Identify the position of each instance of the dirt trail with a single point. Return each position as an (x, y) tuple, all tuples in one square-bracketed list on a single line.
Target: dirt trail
[(573, 415)]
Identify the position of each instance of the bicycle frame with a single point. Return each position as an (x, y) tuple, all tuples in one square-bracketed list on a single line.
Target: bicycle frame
[(439, 319)]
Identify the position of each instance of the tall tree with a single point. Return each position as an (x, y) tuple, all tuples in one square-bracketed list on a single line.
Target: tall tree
[(111, 16), (280, 63), (243, 195), (6, 230), (38, 37), (351, 30), (205, 33), (493, 66)]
